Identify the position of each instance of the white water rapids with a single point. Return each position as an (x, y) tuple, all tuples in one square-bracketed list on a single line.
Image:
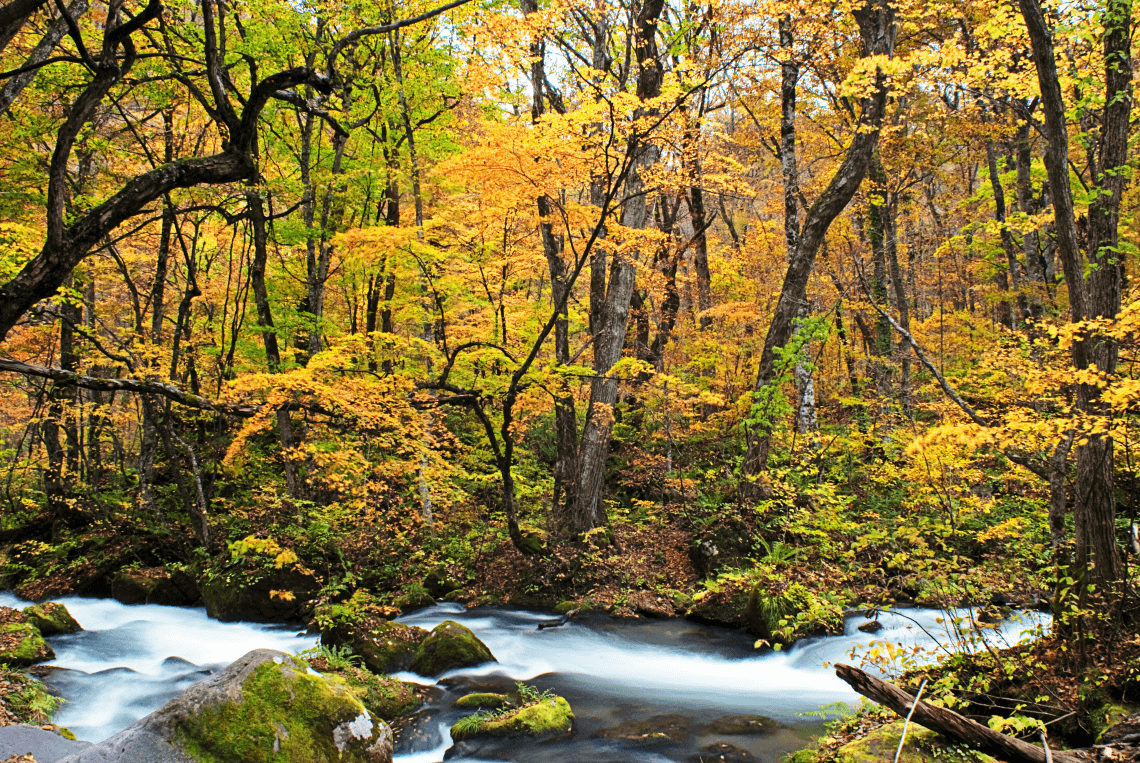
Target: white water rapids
[(129, 660)]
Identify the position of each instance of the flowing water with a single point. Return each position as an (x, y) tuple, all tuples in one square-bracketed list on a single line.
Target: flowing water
[(642, 691)]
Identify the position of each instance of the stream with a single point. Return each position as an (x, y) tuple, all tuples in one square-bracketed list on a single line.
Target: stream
[(643, 691)]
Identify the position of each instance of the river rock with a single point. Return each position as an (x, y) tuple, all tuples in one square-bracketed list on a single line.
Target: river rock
[(419, 732), (22, 645), (265, 706), (483, 699), (548, 717), (724, 607), (155, 585), (44, 746), (723, 752), (384, 696), (741, 725), (650, 604), (274, 596), (51, 619), (450, 646), (176, 589), (871, 626), (440, 584), (879, 746), (660, 728), (414, 596), (385, 646), (134, 586)]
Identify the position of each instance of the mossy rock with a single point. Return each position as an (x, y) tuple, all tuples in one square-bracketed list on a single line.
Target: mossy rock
[(1114, 720), (484, 699), (21, 644), (265, 708), (385, 646), (581, 605), (439, 583), (459, 594), (488, 600), (922, 746), (547, 717), (51, 619), (273, 596), (133, 586), (448, 647), (384, 696), (414, 596), (724, 607), (175, 589)]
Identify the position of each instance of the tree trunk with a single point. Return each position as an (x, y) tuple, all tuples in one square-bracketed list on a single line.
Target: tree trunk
[(609, 338), (268, 332), (1097, 559), (948, 723), (1013, 317), (876, 26)]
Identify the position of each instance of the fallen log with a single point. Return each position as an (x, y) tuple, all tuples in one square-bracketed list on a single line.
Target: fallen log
[(951, 724), (560, 621)]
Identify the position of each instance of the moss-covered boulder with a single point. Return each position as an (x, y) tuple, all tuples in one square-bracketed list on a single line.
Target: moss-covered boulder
[(723, 606), (484, 699), (51, 619), (922, 746), (273, 596), (134, 586), (439, 583), (384, 696), (177, 588), (548, 717), (265, 708), (385, 646), (448, 647), (575, 605), (21, 644)]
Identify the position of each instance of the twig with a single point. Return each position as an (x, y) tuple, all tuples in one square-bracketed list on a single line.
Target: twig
[(906, 723)]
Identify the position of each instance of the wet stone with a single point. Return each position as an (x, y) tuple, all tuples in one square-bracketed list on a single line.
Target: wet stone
[(659, 728), (752, 725), (418, 732), (723, 753)]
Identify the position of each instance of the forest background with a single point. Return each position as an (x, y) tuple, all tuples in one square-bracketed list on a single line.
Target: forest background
[(754, 311)]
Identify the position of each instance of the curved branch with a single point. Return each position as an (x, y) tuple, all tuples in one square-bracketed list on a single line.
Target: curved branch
[(71, 378), (357, 34)]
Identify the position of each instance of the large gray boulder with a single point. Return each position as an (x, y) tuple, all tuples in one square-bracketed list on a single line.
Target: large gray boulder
[(44, 746), (267, 706)]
